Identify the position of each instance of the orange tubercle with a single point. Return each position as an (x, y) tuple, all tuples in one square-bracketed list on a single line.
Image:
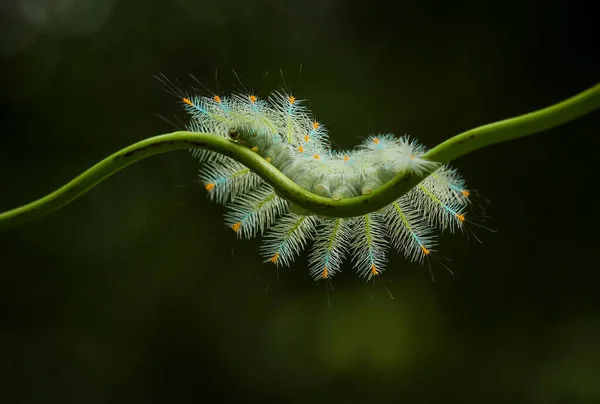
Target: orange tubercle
[(274, 258), (376, 140), (210, 186), (306, 138), (236, 226), (325, 273), (316, 125), (346, 158), (187, 101), (465, 193), (301, 149), (460, 217), (374, 270), (425, 250), (316, 156), (252, 99), (217, 99), (291, 99)]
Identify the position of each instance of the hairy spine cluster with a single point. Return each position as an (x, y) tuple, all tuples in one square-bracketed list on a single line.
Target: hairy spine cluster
[(282, 130)]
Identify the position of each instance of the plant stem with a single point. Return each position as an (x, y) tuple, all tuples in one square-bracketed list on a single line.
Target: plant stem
[(455, 147)]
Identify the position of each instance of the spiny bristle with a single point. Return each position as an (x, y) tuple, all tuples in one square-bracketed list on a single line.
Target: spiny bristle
[(369, 245), (329, 248), (255, 212), (227, 179), (287, 238), (409, 233)]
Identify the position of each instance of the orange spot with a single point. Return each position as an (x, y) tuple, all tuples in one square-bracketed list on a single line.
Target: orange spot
[(316, 156), (306, 138), (460, 217), (301, 149), (465, 193), (425, 250), (209, 186), (374, 270), (325, 273), (254, 149), (252, 99), (187, 101), (217, 99), (291, 99), (236, 226), (412, 156), (346, 158), (316, 125), (274, 258), (376, 140)]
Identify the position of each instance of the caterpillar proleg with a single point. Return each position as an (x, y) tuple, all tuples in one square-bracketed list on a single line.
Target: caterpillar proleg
[(283, 131)]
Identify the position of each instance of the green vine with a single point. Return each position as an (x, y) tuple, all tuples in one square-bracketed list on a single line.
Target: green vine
[(445, 152)]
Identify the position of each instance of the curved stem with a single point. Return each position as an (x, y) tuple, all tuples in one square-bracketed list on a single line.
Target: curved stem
[(445, 152)]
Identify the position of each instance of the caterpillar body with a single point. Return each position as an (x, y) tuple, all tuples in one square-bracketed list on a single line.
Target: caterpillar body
[(282, 130)]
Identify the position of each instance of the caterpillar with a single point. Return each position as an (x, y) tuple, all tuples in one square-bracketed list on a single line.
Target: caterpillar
[(282, 130)]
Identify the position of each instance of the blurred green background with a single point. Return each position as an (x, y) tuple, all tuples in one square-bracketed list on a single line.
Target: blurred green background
[(137, 292)]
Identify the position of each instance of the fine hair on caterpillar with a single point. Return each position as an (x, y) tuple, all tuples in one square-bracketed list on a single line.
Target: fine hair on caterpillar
[(281, 129)]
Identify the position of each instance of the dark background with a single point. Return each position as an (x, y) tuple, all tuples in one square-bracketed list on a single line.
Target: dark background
[(137, 292)]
